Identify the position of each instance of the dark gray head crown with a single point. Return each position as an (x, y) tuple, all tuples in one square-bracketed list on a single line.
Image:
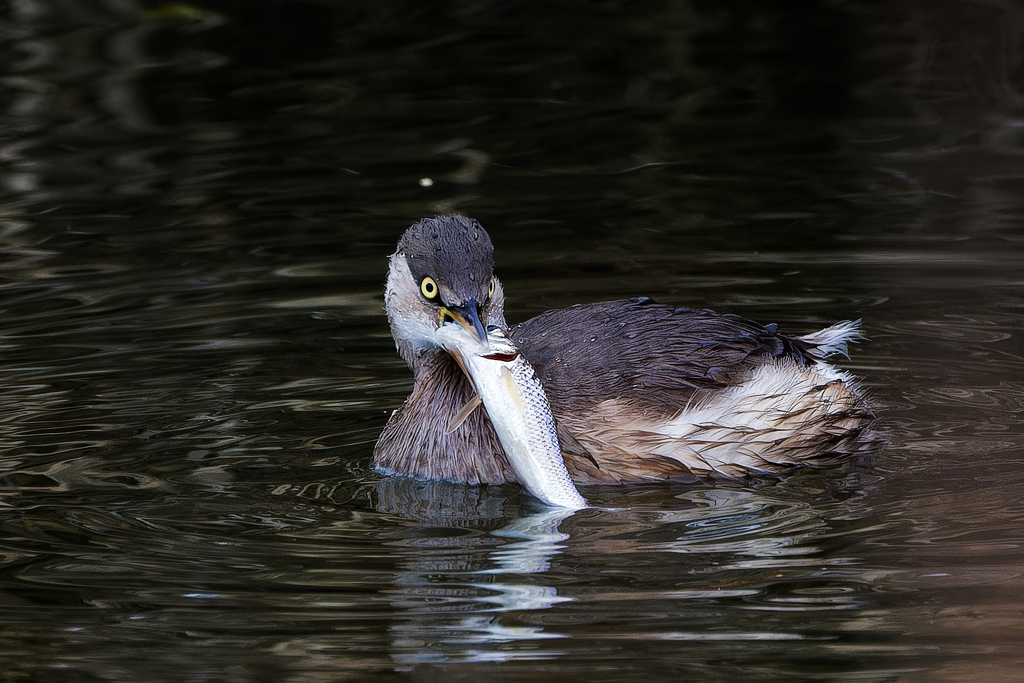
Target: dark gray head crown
[(454, 250)]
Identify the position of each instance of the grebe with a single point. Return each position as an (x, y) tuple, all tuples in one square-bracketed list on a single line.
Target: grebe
[(636, 391)]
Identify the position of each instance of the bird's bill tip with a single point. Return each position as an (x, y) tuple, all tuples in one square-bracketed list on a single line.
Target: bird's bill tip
[(467, 315)]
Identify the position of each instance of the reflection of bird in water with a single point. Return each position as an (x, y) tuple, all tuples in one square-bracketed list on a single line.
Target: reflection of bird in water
[(639, 391)]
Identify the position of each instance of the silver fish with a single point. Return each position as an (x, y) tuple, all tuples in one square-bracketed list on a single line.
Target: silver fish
[(518, 409)]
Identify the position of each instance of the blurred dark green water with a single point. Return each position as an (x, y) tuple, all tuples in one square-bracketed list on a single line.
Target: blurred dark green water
[(197, 204)]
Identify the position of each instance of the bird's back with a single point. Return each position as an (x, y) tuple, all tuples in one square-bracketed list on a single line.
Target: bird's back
[(644, 391)]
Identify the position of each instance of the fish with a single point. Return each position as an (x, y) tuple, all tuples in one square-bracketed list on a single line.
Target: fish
[(517, 407)]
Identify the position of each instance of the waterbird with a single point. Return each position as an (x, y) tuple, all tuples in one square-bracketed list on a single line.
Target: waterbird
[(614, 392)]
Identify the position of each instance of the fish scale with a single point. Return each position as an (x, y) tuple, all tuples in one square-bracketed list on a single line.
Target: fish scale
[(546, 453)]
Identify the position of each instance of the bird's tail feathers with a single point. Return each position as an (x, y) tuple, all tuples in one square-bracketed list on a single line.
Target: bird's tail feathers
[(833, 340)]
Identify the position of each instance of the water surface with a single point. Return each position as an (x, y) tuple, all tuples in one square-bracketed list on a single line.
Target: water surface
[(197, 208)]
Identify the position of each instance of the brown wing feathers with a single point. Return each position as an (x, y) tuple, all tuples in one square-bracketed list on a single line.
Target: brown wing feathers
[(656, 357)]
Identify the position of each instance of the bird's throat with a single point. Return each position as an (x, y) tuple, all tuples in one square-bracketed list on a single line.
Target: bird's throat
[(418, 440)]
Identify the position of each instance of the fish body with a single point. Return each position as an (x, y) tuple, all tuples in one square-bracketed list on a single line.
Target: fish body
[(518, 409)]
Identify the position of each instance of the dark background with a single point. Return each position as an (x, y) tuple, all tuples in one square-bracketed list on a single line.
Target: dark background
[(196, 206)]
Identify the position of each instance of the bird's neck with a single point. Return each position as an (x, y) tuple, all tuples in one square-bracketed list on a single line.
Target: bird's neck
[(417, 442)]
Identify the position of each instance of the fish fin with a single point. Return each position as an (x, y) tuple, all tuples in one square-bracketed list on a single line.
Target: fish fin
[(461, 416)]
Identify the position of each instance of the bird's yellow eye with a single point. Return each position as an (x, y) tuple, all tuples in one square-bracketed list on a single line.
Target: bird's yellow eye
[(490, 290), (428, 287)]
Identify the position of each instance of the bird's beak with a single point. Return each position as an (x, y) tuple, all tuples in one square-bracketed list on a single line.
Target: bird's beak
[(467, 315), (517, 407)]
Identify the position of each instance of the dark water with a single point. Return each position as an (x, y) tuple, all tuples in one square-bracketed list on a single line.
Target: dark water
[(197, 205)]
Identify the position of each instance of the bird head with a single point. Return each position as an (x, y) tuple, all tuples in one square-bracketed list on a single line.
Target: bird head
[(442, 272)]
